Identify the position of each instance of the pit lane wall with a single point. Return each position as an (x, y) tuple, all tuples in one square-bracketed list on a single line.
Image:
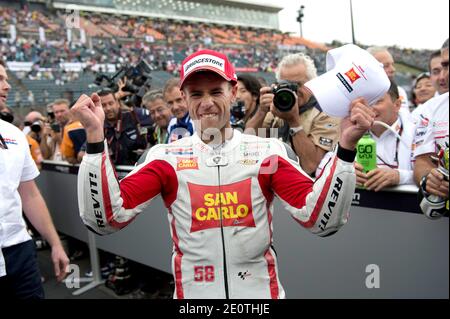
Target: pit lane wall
[(386, 250)]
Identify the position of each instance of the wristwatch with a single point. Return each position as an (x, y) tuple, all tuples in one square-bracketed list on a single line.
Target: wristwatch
[(295, 130)]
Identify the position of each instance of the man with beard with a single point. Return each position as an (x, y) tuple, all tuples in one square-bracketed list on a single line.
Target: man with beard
[(122, 131)]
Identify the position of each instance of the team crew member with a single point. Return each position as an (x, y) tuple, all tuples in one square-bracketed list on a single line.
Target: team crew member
[(385, 57), (19, 272), (435, 68), (219, 186), (122, 131), (393, 156), (432, 139)]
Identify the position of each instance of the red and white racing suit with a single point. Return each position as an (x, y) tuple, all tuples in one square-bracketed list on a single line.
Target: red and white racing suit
[(220, 207)]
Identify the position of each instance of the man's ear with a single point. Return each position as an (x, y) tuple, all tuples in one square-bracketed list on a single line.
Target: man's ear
[(398, 104), (183, 95), (234, 89)]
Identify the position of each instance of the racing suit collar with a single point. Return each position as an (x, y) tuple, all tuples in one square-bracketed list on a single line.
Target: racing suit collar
[(227, 146)]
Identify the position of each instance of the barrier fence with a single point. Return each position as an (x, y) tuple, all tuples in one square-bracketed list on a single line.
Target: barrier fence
[(388, 249)]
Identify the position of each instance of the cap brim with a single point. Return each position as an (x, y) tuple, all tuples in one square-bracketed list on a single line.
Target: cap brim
[(206, 69), (330, 98)]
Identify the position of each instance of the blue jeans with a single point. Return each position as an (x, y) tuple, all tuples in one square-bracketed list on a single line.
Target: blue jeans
[(23, 278)]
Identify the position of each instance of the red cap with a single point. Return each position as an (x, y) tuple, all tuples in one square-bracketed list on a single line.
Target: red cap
[(207, 60)]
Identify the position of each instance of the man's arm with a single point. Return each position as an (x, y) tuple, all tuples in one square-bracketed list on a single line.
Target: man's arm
[(37, 213), (105, 205), (45, 147), (309, 153), (422, 167), (321, 206), (256, 122)]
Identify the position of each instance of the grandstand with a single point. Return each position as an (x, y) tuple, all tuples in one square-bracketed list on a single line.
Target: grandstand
[(43, 52), (225, 12)]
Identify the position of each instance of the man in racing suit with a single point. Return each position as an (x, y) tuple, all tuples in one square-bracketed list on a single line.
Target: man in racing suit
[(218, 186)]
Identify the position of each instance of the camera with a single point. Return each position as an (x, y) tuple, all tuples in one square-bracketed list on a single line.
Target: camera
[(238, 113), (55, 127), (36, 126), (238, 110), (138, 82), (285, 95)]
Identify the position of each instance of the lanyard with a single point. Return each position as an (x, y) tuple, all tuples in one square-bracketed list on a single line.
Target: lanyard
[(3, 144), (400, 132)]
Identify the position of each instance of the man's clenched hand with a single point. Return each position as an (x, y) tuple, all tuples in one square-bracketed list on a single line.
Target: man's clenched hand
[(89, 111)]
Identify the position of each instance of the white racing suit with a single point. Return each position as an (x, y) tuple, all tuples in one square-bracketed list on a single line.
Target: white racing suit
[(220, 207)]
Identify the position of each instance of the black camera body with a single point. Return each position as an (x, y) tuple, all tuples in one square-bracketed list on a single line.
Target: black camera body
[(55, 127), (138, 82), (285, 95), (237, 110)]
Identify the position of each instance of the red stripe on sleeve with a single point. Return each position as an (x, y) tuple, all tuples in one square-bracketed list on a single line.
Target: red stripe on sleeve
[(319, 203), (286, 181), (156, 177)]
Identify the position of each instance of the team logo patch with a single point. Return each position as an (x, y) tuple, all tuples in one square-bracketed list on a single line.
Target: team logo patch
[(187, 163), (345, 83), (244, 275), (232, 202), (248, 162), (352, 75), (179, 151), (204, 60), (10, 141)]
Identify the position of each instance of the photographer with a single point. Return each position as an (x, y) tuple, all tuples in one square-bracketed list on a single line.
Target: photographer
[(247, 100), (122, 131), (431, 151), (312, 133)]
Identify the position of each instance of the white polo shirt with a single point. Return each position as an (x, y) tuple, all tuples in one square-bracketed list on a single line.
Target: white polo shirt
[(432, 128), (16, 166), (392, 153), (404, 98)]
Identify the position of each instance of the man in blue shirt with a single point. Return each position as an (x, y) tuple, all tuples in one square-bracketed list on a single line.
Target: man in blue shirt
[(181, 125)]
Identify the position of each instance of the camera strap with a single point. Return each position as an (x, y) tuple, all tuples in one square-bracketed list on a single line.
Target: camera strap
[(312, 102)]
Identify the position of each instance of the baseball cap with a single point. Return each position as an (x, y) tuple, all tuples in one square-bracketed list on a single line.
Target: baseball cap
[(207, 60), (351, 73)]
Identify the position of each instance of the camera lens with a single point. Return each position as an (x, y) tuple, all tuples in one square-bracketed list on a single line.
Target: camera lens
[(36, 127), (284, 100)]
